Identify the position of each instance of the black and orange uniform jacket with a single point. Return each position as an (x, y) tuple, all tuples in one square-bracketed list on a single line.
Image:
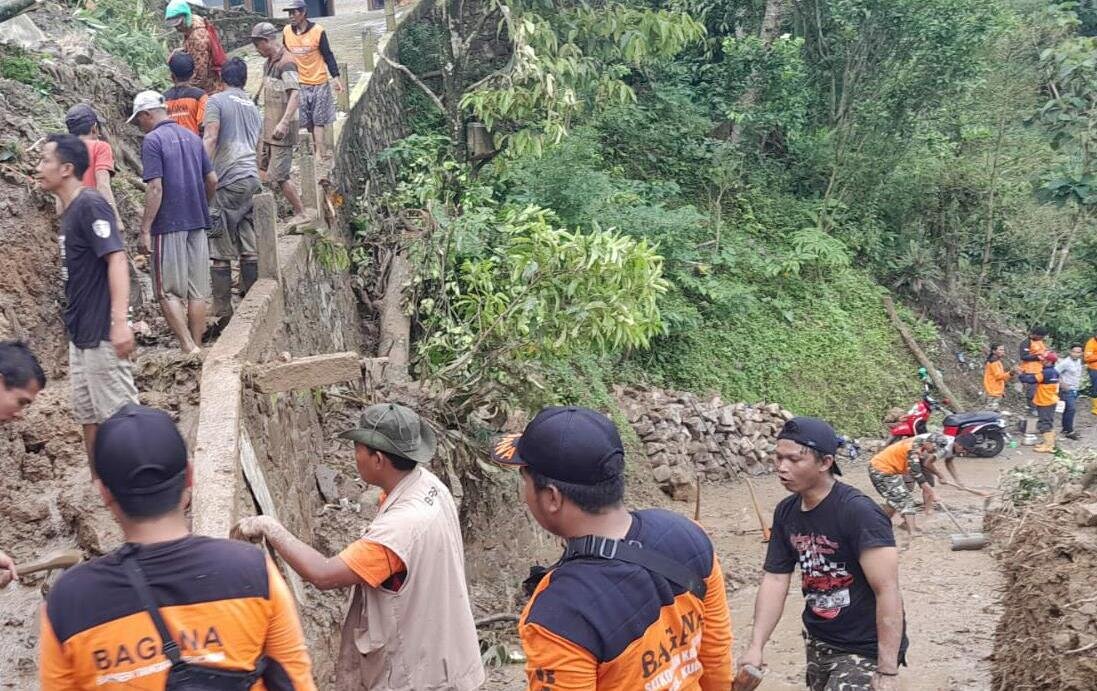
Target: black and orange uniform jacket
[(608, 624), (223, 601), (1047, 386), (1030, 352), (186, 105)]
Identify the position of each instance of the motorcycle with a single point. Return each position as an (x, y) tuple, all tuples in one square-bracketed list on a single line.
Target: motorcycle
[(983, 432)]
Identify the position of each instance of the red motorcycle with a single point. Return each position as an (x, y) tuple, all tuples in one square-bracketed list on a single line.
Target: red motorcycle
[(984, 431)]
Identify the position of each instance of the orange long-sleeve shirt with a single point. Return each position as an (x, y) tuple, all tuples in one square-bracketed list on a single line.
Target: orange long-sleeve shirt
[(1030, 352), (1047, 386), (223, 601), (607, 624), (1089, 356), (995, 377)]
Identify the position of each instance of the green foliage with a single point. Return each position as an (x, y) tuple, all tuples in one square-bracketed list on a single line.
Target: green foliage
[(130, 31), (21, 67), (1032, 481)]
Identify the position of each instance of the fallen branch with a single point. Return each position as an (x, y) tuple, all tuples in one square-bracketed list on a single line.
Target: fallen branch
[(415, 80), (496, 619), (918, 353)]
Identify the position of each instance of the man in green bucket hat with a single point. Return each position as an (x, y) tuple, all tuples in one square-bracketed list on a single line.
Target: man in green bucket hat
[(407, 569)]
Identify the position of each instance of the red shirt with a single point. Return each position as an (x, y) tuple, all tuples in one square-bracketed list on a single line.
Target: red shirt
[(100, 157)]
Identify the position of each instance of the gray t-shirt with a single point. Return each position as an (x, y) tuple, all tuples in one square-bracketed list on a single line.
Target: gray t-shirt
[(241, 125)]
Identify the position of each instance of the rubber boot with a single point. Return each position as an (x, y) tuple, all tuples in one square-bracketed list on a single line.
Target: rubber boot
[(1093, 409), (249, 273), (221, 283), (1049, 444)]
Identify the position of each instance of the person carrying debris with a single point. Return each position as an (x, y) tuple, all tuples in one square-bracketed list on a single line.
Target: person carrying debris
[(1090, 357), (186, 103), (409, 625), (125, 620), (854, 629), (995, 376), (198, 43), (95, 274), (915, 456), (281, 93), (180, 182), (1046, 398), (637, 600), (232, 128), (1032, 355), (1070, 379), (318, 71), (83, 121), (21, 378)]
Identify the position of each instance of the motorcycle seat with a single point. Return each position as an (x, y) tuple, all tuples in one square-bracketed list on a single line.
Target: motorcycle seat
[(977, 417)]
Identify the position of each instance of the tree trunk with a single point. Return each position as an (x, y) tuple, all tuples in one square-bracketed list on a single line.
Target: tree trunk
[(453, 79), (988, 234), (771, 27), (395, 324), (917, 352)]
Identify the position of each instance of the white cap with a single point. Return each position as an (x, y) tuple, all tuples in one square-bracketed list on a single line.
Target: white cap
[(146, 100)]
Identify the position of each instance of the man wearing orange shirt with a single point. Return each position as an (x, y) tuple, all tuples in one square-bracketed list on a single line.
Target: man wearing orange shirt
[(407, 570), (167, 601), (995, 376), (83, 121), (1032, 356), (319, 74), (1045, 398), (186, 103), (637, 600), (917, 457), (1089, 357)]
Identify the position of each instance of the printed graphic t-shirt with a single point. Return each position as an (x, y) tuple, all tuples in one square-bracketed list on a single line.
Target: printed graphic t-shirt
[(826, 542), (88, 234)]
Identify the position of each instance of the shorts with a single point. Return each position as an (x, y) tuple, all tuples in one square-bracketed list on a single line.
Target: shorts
[(233, 231), (831, 669), (101, 383), (276, 161), (180, 265), (317, 105), (894, 491)]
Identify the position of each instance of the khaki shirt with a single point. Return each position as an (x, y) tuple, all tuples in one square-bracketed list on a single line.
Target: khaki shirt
[(279, 83)]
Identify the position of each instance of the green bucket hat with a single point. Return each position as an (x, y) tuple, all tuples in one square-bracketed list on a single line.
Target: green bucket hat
[(395, 429)]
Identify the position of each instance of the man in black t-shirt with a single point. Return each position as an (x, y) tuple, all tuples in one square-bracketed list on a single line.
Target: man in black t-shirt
[(843, 543), (95, 274)]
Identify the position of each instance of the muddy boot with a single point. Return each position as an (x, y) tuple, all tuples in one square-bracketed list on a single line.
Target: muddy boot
[(249, 273), (1049, 444), (221, 287), (1093, 404)]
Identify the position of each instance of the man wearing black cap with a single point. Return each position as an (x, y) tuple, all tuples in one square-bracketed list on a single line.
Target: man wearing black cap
[(637, 600), (842, 541), (83, 121), (407, 570), (222, 604)]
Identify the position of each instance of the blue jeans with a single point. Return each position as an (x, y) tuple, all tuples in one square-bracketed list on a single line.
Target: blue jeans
[(1070, 399)]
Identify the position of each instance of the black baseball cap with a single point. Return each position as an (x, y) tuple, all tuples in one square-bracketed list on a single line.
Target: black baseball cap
[(142, 459), (813, 433), (181, 65), (80, 118), (570, 444)]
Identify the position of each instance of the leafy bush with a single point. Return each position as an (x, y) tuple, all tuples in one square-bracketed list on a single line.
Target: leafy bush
[(129, 31)]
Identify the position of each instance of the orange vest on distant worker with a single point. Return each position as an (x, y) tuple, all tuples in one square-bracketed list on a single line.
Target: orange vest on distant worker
[(305, 48), (994, 379), (1090, 356), (1034, 348)]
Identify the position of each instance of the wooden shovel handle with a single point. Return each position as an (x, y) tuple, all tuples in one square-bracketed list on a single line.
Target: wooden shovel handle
[(757, 509), (58, 560)]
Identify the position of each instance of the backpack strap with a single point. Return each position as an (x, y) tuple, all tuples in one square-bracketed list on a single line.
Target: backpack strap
[(632, 552), (144, 594)]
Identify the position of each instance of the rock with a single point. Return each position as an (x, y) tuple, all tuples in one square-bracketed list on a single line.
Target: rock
[(326, 482), (1086, 514), (661, 473), (1064, 640)]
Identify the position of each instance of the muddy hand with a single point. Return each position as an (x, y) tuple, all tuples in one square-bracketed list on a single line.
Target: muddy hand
[(7, 570), (250, 529), (881, 682)]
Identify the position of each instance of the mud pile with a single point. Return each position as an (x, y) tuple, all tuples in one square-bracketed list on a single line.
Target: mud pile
[(1047, 635)]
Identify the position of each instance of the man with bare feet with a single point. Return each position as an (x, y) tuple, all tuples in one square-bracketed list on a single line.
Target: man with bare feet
[(180, 182), (917, 457), (95, 273), (854, 630)]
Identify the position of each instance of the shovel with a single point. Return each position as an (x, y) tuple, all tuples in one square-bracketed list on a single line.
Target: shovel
[(58, 560), (965, 540)]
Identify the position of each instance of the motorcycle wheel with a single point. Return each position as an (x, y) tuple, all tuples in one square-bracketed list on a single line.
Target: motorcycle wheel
[(988, 444)]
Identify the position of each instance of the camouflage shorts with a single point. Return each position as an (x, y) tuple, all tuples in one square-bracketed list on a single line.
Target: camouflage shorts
[(894, 491), (830, 669)]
